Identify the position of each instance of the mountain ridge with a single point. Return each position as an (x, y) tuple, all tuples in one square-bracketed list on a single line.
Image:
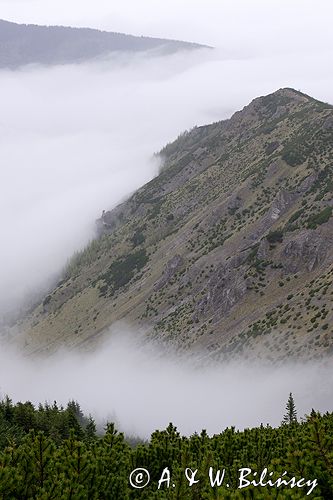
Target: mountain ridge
[(239, 217), (22, 44)]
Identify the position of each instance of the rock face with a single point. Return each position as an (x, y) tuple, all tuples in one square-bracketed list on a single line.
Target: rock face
[(307, 183), (328, 123), (225, 289), (227, 251), (308, 251), (282, 202), (172, 266)]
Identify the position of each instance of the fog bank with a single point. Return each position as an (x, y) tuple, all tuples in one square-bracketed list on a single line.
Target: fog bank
[(145, 389), (75, 140)]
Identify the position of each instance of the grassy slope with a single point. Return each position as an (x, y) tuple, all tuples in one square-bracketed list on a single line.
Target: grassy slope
[(228, 250)]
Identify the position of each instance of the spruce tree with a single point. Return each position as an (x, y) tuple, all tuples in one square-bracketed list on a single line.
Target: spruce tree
[(291, 412), (90, 429)]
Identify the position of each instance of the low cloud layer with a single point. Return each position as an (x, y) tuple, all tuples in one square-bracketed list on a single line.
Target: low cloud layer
[(75, 140), (143, 389)]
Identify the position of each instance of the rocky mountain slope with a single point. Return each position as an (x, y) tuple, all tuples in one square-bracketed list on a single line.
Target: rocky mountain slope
[(227, 252), (22, 44)]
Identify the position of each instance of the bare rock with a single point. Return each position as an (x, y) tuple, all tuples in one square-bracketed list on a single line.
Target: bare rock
[(282, 202), (307, 183), (328, 123), (280, 111), (263, 249), (273, 168), (110, 220), (271, 147), (225, 289), (307, 250), (234, 203), (171, 268)]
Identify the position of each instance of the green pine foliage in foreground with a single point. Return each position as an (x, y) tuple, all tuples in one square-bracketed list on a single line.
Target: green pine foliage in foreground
[(52, 452)]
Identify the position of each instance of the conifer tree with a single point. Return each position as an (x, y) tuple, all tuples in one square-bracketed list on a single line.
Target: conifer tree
[(291, 412), (90, 429)]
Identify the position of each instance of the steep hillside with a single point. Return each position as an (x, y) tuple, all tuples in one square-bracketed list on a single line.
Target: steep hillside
[(22, 44), (228, 251)]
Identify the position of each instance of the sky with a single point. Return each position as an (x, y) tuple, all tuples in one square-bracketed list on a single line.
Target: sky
[(282, 24), (77, 139)]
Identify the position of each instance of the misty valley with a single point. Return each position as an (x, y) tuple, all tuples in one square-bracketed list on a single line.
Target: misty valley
[(166, 260)]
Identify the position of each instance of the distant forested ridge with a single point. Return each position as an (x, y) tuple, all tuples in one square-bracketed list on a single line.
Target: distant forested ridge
[(22, 44), (54, 453)]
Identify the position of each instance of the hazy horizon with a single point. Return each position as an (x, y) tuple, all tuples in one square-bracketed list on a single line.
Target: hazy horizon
[(237, 24)]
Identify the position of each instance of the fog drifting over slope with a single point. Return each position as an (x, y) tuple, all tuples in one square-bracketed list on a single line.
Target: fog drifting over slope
[(144, 389), (75, 140)]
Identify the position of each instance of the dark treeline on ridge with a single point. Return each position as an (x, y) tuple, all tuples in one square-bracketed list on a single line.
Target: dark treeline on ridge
[(22, 44), (51, 452)]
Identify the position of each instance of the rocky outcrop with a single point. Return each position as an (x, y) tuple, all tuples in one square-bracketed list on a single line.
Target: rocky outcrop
[(234, 203), (307, 250), (328, 123), (224, 289), (307, 183), (282, 202), (263, 249), (171, 268), (271, 147)]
